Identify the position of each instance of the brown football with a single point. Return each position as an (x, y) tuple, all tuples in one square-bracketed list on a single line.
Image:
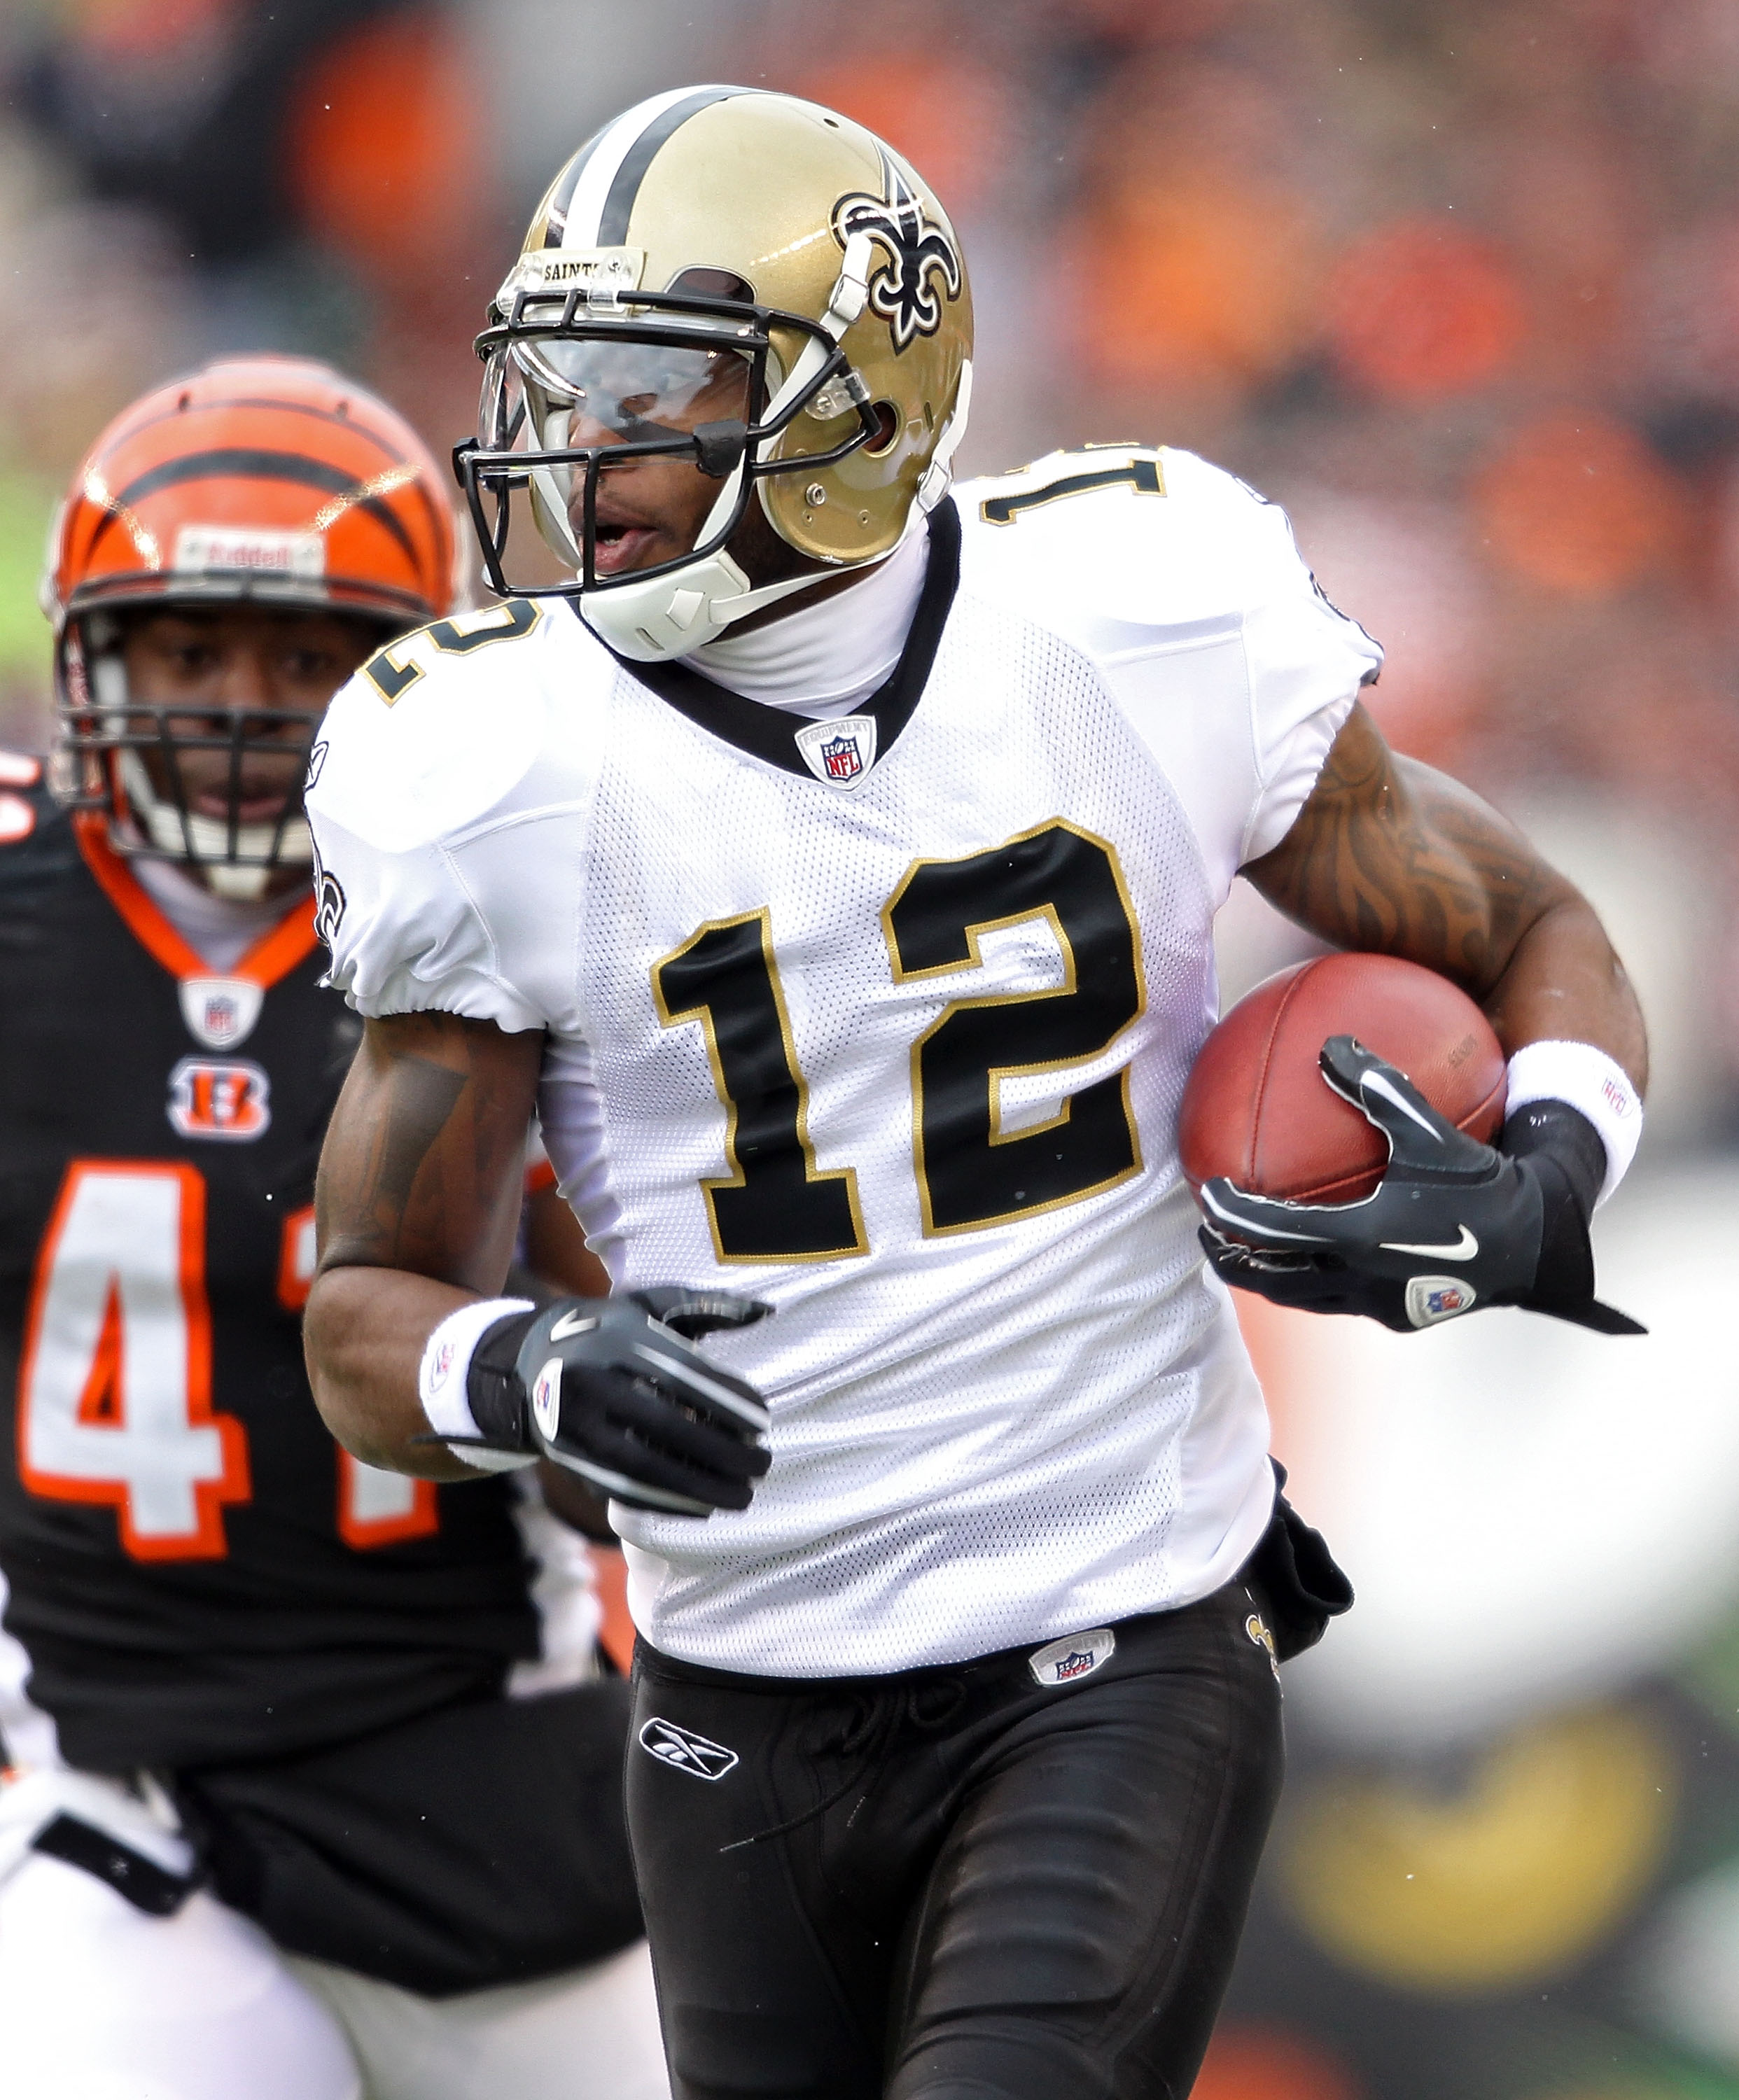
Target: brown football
[(1257, 1110)]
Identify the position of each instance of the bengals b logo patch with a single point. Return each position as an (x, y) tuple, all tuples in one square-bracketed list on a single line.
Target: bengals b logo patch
[(215, 1098)]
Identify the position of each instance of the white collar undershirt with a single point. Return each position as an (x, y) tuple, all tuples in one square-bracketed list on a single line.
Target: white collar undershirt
[(821, 660), (218, 929)]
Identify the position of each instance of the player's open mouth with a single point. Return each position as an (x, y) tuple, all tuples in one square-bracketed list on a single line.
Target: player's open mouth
[(618, 548), (255, 808)]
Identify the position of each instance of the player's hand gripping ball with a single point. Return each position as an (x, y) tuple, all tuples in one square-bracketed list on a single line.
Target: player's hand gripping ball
[(1257, 1112), (1448, 1224)]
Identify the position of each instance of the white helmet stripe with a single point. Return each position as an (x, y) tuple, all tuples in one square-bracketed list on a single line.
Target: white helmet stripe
[(595, 191)]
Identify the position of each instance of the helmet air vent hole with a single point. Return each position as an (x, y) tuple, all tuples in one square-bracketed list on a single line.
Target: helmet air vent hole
[(185, 403), (701, 284), (929, 416), (887, 430)]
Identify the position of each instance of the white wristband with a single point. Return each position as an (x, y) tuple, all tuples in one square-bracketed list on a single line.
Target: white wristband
[(441, 1374), (1588, 1081)]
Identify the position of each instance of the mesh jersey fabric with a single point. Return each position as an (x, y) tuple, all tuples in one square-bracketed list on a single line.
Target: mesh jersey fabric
[(985, 1433)]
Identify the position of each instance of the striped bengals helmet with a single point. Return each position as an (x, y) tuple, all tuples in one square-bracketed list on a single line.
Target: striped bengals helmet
[(270, 481)]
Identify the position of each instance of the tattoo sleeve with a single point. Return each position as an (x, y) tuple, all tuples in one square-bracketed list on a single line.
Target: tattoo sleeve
[(422, 1168), (1389, 856)]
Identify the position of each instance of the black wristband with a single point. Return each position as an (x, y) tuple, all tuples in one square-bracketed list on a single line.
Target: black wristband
[(1569, 1158), (497, 1398)]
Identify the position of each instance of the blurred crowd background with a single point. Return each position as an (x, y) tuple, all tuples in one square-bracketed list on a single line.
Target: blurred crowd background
[(1457, 285)]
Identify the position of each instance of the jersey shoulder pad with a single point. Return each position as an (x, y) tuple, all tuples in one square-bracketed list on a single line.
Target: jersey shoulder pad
[(1132, 536), (36, 845), (445, 725)]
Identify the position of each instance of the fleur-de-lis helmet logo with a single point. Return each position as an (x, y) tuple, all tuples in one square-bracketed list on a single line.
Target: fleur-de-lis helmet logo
[(923, 265)]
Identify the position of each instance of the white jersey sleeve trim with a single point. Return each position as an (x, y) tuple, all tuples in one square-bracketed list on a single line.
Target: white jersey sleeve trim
[(407, 937), (1242, 732), (1307, 665)]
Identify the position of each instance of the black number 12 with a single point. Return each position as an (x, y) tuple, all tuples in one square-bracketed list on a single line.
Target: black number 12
[(775, 1205)]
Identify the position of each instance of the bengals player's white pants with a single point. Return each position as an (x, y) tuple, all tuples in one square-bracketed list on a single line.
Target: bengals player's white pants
[(100, 2001)]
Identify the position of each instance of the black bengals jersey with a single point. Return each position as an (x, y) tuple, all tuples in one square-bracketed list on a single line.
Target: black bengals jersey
[(198, 1573)]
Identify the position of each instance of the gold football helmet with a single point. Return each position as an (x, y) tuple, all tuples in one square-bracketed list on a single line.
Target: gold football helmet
[(749, 284)]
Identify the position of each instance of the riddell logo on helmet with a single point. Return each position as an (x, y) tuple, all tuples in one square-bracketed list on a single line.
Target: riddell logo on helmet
[(202, 550)]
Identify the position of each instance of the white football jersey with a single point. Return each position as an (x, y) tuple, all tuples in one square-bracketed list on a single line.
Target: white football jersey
[(886, 1019)]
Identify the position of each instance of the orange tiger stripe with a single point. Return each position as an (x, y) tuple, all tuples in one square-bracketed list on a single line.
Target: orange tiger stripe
[(261, 446)]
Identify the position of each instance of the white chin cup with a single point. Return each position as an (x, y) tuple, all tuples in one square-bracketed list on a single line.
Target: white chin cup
[(671, 615)]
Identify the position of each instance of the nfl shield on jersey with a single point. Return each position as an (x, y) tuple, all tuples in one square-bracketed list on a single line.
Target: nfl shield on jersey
[(886, 1020)]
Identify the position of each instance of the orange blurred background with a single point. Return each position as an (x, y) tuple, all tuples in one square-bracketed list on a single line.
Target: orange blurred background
[(1459, 285)]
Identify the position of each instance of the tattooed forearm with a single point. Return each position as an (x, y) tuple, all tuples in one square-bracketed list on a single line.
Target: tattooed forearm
[(429, 1131), (1391, 857), (417, 1203)]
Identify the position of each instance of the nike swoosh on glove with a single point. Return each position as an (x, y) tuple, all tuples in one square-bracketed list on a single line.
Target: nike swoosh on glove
[(1453, 1225), (615, 1390)]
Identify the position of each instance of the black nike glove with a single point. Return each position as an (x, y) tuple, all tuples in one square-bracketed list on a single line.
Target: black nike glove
[(613, 1389), (1453, 1225)]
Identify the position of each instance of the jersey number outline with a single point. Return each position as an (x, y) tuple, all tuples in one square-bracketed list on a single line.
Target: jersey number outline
[(114, 1386), (392, 679), (114, 1391), (972, 1171), (1141, 474), (776, 1205)]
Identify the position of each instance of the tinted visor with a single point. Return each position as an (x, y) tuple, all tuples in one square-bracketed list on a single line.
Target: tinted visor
[(597, 392)]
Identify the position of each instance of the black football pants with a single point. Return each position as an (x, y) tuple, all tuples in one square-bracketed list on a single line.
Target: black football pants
[(954, 1883)]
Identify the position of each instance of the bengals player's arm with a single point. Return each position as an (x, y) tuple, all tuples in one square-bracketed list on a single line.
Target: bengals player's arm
[(1389, 855), (420, 1182)]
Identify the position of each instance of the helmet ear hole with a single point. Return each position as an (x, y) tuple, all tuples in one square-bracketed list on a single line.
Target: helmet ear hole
[(887, 430)]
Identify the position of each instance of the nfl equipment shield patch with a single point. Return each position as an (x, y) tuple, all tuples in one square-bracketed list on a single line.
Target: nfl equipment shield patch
[(220, 1012), (1431, 1299), (840, 753), (1075, 1655)]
